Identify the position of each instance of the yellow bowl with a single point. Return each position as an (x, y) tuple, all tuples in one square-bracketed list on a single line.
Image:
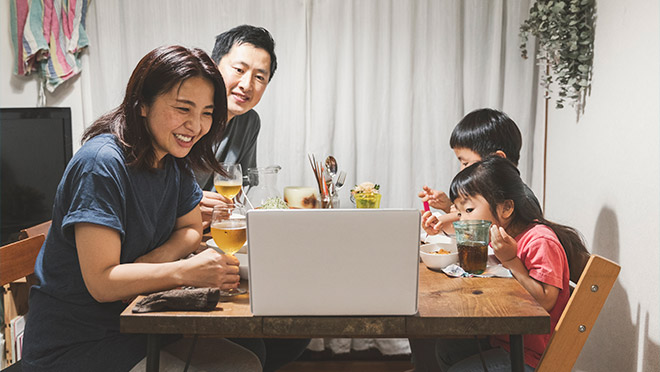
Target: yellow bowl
[(367, 200)]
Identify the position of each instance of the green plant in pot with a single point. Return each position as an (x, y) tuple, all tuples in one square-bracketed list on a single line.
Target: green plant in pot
[(564, 30)]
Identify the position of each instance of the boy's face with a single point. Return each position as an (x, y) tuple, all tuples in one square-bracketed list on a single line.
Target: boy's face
[(466, 156)]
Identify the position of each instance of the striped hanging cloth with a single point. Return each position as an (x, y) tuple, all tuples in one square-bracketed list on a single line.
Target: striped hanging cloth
[(48, 37)]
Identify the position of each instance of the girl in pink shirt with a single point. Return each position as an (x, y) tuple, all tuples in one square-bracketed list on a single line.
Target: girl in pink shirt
[(534, 249)]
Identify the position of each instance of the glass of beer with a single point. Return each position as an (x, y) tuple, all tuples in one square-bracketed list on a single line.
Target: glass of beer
[(229, 232), (230, 183), (472, 239)]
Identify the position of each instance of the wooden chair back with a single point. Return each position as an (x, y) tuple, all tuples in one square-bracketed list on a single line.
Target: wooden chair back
[(17, 259), (35, 230), (580, 315)]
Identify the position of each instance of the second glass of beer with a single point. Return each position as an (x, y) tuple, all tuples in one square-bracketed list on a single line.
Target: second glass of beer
[(230, 183)]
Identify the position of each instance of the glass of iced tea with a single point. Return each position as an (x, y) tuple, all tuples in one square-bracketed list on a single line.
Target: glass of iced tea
[(472, 239), (230, 183), (229, 232)]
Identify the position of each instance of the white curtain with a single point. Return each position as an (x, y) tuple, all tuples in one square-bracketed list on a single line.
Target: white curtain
[(379, 84)]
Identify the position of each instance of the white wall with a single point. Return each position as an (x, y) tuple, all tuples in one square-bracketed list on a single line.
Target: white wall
[(22, 91), (603, 178)]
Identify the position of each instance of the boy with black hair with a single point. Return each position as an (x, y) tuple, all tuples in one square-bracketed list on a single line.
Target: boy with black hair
[(480, 133)]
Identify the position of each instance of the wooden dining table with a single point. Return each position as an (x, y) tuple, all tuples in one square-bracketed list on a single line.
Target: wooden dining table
[(448, 307)]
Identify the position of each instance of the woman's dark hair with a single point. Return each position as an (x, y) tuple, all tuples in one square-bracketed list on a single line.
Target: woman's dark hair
[(159, 71), (497, 179), (485, 131), (257, 36)]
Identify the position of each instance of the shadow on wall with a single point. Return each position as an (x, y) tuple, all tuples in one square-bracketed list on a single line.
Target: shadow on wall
[(651, 351), (613, 345)]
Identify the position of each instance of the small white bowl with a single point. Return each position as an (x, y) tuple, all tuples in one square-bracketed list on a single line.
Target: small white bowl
[(439, 238), (211, 244), (438, 261), (243, 269)]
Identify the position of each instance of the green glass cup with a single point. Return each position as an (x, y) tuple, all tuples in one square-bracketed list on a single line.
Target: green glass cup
[(367, 200), (472, 239)]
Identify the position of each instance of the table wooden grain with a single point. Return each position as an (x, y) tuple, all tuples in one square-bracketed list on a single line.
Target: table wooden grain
[(447, 307)]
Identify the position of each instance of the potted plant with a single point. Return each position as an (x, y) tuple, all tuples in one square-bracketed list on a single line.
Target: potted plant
[(564, 30)]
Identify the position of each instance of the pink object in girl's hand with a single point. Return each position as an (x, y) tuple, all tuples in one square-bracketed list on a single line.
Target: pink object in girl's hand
[(426, 206)]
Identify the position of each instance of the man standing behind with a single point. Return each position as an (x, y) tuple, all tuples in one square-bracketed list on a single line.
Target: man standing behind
[(245, 56)]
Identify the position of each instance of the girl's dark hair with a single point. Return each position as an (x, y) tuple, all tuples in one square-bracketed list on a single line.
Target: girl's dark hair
[(497, 179), (160, 70), (485, 131)]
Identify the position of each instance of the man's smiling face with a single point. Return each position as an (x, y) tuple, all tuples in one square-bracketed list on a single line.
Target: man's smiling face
[(246, 72)]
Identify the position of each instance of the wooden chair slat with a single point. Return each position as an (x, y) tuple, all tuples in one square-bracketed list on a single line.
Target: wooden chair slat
[(581, 311), (17, 259), (35, 230)]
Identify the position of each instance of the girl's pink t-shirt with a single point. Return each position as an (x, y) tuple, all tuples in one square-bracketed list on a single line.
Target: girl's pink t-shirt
[(544, 257)]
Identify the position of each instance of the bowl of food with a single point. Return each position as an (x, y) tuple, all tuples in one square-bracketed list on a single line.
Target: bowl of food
[(437, 256)]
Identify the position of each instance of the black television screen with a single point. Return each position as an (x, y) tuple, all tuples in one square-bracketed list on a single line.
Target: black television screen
[(35, 147)]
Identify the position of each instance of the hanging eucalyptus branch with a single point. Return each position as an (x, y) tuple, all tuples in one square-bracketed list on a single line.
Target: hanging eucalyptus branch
[(565, 33)]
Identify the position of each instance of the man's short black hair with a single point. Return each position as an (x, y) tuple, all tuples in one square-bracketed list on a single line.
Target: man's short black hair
[(486, 131), (257, 36)]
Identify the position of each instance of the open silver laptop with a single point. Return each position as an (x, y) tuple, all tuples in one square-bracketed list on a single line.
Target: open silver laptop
[(333, 261)]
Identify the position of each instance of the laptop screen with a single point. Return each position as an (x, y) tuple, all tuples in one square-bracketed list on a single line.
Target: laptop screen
[(333, 261)]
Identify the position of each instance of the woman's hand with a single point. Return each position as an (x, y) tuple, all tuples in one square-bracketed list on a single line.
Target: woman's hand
[(209, 200), (505, 247), (211, 269), (437, 199)]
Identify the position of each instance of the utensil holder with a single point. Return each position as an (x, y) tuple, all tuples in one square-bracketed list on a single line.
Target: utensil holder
[(329, 201)]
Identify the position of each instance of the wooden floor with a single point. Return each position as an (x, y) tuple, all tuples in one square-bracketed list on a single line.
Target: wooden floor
[(347, 366)]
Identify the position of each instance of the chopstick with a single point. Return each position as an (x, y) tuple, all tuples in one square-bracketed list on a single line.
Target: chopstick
[(317, 168), (325, 185)]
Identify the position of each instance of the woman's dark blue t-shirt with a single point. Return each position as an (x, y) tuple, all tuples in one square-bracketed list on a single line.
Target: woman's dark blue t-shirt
[(66, 328)]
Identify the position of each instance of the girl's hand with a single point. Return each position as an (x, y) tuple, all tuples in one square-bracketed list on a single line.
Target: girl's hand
[(505, 247), (434, 225), (429, 223), (212, 269), (437, 199)]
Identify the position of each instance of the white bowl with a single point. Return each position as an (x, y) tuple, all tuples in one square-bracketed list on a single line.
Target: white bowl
[(439, 238), (438, 261), (211, 244), (243, 269)]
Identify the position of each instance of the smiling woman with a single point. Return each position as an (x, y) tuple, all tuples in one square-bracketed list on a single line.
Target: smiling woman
[(179, 118), (168, 77), (126, 213)]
